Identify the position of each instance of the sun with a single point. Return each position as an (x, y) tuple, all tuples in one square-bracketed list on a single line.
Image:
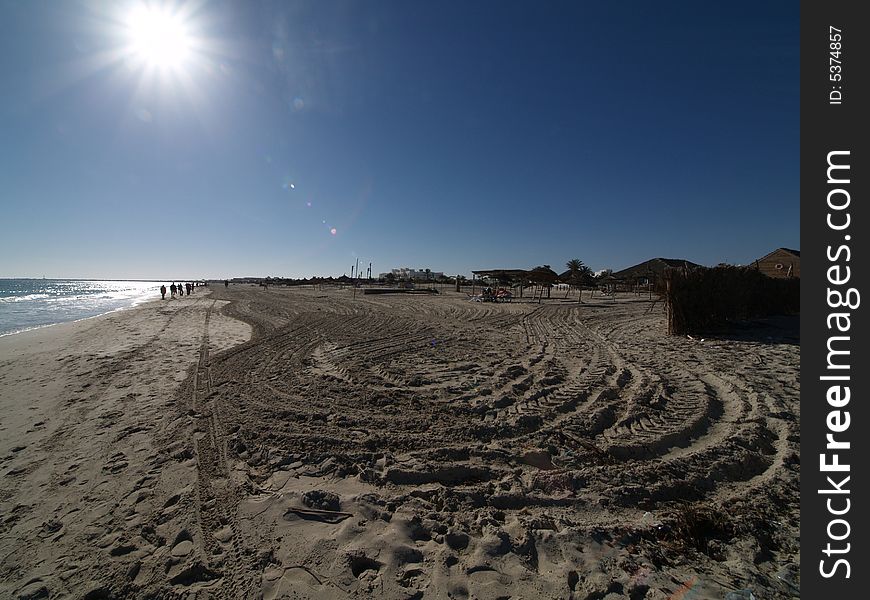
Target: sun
[(158, 37)]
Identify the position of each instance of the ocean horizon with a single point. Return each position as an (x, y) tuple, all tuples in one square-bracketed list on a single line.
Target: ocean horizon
[(27, 304)]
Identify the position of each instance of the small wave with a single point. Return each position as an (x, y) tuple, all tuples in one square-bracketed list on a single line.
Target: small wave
[(102, 312), (24, 298)]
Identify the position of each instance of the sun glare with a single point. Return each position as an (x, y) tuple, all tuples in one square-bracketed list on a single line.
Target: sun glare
[(158, 37)]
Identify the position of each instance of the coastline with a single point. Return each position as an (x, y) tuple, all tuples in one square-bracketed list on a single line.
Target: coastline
[(108, 312), (88, 303), (87, 411)]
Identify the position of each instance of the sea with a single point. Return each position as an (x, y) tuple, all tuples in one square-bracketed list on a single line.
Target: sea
[(31, 303)]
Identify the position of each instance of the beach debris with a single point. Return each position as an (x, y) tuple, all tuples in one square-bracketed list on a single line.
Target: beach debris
[(50, 527), (696, 525), (312, 514)]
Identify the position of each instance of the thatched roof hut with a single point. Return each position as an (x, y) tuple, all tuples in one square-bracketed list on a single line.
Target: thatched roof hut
[(539, 275), (651, 270), (503, 276)]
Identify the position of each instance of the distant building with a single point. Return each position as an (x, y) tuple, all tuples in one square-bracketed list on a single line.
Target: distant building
[(650, 271), (407, 273), (782, 262)]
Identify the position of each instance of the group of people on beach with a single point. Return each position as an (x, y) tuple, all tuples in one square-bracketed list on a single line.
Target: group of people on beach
[(177, 289)]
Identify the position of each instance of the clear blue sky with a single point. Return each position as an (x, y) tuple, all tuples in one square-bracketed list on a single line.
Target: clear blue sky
[(450, 135)]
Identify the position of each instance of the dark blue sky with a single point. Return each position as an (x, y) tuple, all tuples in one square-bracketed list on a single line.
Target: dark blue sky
[(451, 135)]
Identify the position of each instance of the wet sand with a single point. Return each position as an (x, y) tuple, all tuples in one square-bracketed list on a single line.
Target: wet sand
[(309, 444)]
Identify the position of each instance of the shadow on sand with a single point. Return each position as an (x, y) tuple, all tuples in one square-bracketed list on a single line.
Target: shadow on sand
[(780, 329)]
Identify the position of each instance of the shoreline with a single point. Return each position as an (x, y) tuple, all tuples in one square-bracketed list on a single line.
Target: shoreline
[(87, 411), (135, 300), (108, 312)]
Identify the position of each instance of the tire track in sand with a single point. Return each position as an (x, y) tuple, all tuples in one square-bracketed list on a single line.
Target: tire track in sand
[(215, 493)]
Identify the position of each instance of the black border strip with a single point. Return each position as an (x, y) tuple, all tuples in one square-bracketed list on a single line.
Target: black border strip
[(834, 112)]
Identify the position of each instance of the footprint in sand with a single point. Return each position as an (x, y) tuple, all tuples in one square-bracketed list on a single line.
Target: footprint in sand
[(224, 534), (183, 544), (182, 548)]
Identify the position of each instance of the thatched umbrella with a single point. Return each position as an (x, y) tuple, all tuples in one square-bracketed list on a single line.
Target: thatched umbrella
[(543, 276), (569, 278)]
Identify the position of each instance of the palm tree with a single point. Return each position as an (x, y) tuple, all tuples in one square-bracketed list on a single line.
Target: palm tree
[(587, 277), (574, 265), (580, 275)]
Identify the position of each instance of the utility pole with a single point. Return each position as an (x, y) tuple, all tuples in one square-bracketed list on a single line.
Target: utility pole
[(352, 281)]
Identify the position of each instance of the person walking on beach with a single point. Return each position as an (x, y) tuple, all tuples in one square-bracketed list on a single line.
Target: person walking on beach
[(172, 290), (163, 292), (226, 283)]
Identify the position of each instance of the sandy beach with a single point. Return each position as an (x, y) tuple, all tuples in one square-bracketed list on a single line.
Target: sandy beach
[(290, 443)]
